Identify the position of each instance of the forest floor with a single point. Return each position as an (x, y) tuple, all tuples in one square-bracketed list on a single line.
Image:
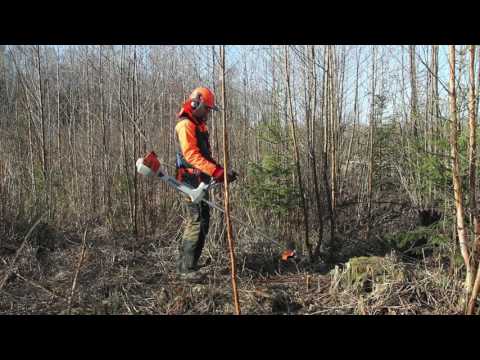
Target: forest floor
[(119, 275)]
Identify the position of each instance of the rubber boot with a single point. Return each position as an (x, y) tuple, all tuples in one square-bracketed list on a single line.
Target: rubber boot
[(186, 266), (200, 243)]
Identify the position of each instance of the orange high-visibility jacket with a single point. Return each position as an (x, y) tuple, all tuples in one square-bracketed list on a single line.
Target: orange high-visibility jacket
[(194, 145)]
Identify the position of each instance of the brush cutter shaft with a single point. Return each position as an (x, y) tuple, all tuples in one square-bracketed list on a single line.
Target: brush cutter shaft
[(196, 195), (215, 206)]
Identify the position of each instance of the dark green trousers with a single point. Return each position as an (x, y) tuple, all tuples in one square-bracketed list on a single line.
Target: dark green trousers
[(193, 240)]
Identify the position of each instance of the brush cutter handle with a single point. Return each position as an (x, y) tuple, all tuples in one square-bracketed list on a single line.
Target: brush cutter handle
[(212, 184), (198, 194)]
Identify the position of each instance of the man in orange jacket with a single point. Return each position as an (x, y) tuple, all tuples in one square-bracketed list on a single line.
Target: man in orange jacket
[(194, 165)]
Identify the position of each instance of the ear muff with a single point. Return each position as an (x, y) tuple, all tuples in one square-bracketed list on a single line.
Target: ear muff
[(196, 102)]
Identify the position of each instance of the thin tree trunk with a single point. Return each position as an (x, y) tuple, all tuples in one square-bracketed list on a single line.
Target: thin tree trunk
[(472, 180), (135, 151), (297, 156), (105, 189), (231, 245), (59, 154), (43, 129), (355, 117), (426, 130), (472, 153), (436, 110), (32, 162), (214, 117), (333, 128), (457, 185), (91, 145), (124, 142), (413, 86), (326, 146), (475, 292), (370, 147), (435, 105), (313, 92)]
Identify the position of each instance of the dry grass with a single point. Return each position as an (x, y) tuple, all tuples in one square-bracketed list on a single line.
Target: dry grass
[(417, 288), (117, 278)]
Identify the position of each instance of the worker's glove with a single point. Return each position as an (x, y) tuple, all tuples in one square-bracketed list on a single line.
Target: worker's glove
[(219, 173)]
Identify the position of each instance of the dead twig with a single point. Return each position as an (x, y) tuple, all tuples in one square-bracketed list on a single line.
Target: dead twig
[(77, 270)]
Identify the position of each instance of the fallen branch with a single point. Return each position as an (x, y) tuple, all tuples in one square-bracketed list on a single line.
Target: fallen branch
[(17, 255), (33, 283)]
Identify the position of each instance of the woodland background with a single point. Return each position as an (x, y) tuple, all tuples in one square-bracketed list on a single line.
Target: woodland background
[(362, 158)]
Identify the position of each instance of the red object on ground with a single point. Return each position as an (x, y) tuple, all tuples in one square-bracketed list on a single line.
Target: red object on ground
[(287, 254)]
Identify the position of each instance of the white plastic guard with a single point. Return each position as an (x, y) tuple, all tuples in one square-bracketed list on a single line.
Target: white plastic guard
[(142, 169)]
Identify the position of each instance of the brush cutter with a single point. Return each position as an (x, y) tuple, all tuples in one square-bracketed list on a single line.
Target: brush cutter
[(150, 166)]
